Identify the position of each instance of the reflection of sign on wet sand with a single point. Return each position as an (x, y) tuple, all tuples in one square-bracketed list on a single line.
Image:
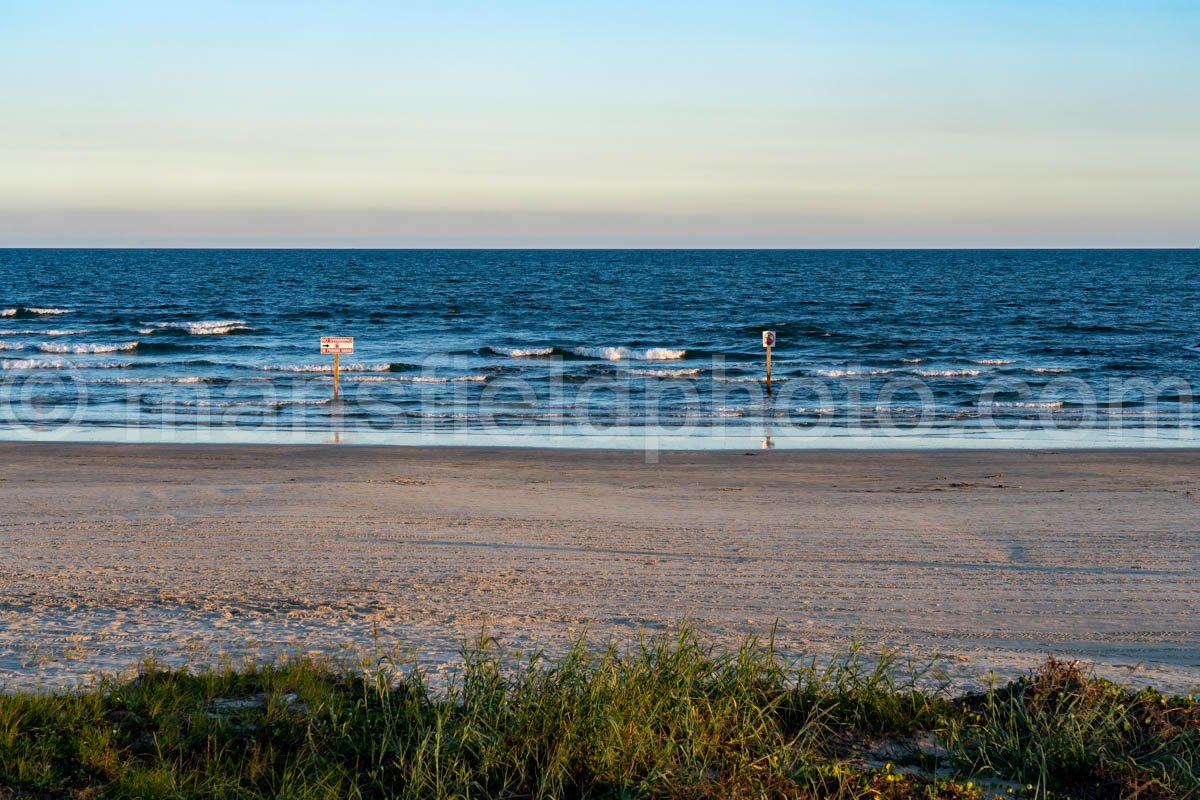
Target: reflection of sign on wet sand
[(336, 346)]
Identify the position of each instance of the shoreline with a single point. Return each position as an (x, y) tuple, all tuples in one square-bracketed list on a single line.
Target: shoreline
[(7, 445), (630, 439), (988, 558)]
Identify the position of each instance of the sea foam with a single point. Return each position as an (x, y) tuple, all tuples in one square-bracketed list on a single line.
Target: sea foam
[(948, 373), (850, 373), (51, 332), (213, 327), (522, 352), (83, 349), (625, 353), (186, 379), (436, 379), (1027, 404), (60, 363), (36, 312), (667, 373), (325, 367)]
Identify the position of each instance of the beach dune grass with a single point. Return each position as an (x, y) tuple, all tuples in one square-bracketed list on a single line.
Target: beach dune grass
[(668, 717)]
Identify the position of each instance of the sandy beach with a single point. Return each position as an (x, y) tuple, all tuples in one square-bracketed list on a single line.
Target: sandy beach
[(989, 559)]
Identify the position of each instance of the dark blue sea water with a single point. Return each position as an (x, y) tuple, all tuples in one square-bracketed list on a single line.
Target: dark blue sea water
[(925, 344)]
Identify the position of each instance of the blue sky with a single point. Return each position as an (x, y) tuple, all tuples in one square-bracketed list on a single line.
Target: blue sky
[(617, 124)]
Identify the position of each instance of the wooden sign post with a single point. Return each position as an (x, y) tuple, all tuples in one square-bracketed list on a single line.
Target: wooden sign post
[(336, 345), (768, 342)]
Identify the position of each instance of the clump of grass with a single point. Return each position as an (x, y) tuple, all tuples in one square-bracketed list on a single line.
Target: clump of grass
[(1063, 731), (669, 718)]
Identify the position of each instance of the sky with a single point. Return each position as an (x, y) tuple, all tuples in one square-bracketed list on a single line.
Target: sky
[(862, 123)]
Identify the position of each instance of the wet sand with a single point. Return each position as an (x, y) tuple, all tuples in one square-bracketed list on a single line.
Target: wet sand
[(990, 559)]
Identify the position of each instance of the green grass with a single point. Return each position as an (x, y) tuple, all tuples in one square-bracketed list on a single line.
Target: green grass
[(663, 718)]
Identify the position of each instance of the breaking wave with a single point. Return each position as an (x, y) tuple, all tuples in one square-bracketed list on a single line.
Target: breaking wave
[(328, 367), (667, 373), (29, 311), (1024, 404), (522, 352), (849, 373), (625, 353), (264, 403), (186, 379), (434, 379), (85, 349), (948, 373), (60, 363), (417, 379), (214, 327), (52, 332), (751, 379)]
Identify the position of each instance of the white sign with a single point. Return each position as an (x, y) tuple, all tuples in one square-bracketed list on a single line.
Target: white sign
[(768, 338), (339, 345)]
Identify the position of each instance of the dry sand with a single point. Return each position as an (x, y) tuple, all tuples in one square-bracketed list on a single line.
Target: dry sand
[(110, 553)]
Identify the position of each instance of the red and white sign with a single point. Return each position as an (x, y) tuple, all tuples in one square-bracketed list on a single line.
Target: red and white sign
[(337, 345)]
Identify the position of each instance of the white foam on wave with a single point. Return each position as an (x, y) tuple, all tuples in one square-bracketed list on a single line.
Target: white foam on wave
[(415, 379), (994, 362), (667, 373), (263, 403), (12, 312), (522, 352), (212, 327), (60, 363), (11, 346), (435, 379), (325, 367), (51, 332), (624, 353), (1048, 370), (186, 379), (948, 373), (912, 361), (850, 373), (1027, 404), (84, 349)]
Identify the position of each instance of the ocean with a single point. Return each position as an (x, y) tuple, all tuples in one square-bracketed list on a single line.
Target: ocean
[(603, 347)]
